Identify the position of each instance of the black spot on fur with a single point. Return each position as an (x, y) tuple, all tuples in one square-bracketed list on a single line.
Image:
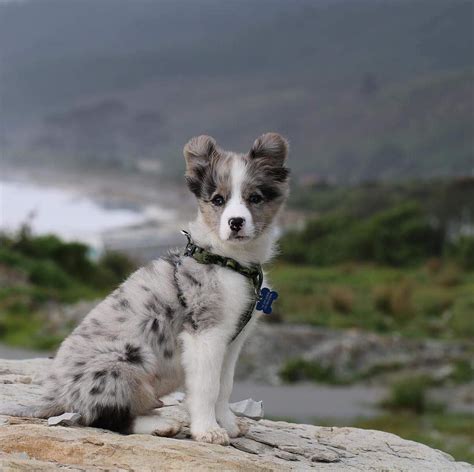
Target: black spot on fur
[(96, 323), (269, 192), (121, 319), (124, 304), (99, 374), (155, 325), (98, 388), (80, 363), (168, 353), (75, 395), (77, 377), (132, 354), (201, 182), (145, 288), (279, 174), (190, 319), (169, 312), (113, 418), (161, 338), (115, 373), (196, 179), (153, 305)]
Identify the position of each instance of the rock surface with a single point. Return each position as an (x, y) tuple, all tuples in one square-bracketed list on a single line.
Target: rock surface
[(29, 444)]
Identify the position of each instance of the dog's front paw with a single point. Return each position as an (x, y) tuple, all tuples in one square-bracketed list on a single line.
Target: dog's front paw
[(234, 426), (214, 435)]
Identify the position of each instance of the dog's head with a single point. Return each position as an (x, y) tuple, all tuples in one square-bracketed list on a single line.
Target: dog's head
[(239, 195)]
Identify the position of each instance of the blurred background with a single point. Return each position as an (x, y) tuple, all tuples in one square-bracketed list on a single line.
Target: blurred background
[(374, 326)]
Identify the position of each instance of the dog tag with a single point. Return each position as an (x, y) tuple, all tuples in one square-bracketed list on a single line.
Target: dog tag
[(265, 300)]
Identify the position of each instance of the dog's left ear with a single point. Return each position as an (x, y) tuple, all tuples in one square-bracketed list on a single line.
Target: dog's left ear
[(199, 150), (270, 146)]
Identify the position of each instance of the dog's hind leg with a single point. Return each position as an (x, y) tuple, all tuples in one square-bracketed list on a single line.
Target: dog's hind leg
[(156, 425)]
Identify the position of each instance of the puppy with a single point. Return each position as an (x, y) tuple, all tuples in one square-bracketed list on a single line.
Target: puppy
[(178, 321)]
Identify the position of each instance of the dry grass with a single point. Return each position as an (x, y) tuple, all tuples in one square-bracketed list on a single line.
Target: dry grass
[(395, 300), (450, 276), (433, 265), (342, 299)]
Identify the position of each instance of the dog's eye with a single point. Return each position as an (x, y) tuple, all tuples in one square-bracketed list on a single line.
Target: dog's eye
[(218, 200), (255, 198)]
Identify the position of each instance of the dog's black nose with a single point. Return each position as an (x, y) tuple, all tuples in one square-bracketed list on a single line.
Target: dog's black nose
[(236, 224)]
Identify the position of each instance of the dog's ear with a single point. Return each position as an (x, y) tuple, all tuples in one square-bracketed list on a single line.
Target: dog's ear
[(270, 146), (199, 150)]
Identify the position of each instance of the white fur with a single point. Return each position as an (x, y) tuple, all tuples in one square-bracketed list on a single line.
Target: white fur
[(156, 425), (205, 358), (236, 207), (258, 250)]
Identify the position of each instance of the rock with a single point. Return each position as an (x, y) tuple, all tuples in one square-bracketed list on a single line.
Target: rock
[(66, 419), (248, 408), (29, 444)]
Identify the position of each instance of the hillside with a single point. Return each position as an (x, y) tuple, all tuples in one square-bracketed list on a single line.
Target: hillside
[(364, 89)]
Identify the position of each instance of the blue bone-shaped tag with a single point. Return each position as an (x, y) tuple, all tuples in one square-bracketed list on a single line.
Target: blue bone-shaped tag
[(265, 300)]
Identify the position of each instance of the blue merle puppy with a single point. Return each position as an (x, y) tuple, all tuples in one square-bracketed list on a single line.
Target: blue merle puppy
[(171, 324)]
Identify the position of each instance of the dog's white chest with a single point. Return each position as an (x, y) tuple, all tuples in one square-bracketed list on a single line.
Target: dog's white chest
[(236, 293)]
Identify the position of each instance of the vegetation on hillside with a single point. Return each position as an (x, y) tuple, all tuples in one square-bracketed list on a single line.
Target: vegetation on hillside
[(435, 299), (389, 223), (39, 273)]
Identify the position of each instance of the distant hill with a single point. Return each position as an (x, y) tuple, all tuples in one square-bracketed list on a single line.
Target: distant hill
[(364, 89)]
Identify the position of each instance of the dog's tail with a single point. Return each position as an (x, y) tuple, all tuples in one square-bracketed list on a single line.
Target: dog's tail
[(31, 410)]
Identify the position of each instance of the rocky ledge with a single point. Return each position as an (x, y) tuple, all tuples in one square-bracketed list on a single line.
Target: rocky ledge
[(30, 444)]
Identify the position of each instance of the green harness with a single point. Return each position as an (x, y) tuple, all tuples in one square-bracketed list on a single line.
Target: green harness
[(253, 273)]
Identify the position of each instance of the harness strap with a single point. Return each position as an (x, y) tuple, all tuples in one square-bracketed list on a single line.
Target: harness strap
[(253, 272)]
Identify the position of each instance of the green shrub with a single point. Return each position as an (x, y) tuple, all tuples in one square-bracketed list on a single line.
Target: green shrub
[(410, 394), (450, 276), (463, 252), (463, 371), (48, 274), (119, 265), (400, 236), (297, 370), (382, 295)]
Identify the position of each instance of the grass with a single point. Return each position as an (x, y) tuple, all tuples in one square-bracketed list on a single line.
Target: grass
[(297, 370), (414, 301)]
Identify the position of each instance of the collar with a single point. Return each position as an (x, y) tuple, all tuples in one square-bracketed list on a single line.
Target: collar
[(253, 272)]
